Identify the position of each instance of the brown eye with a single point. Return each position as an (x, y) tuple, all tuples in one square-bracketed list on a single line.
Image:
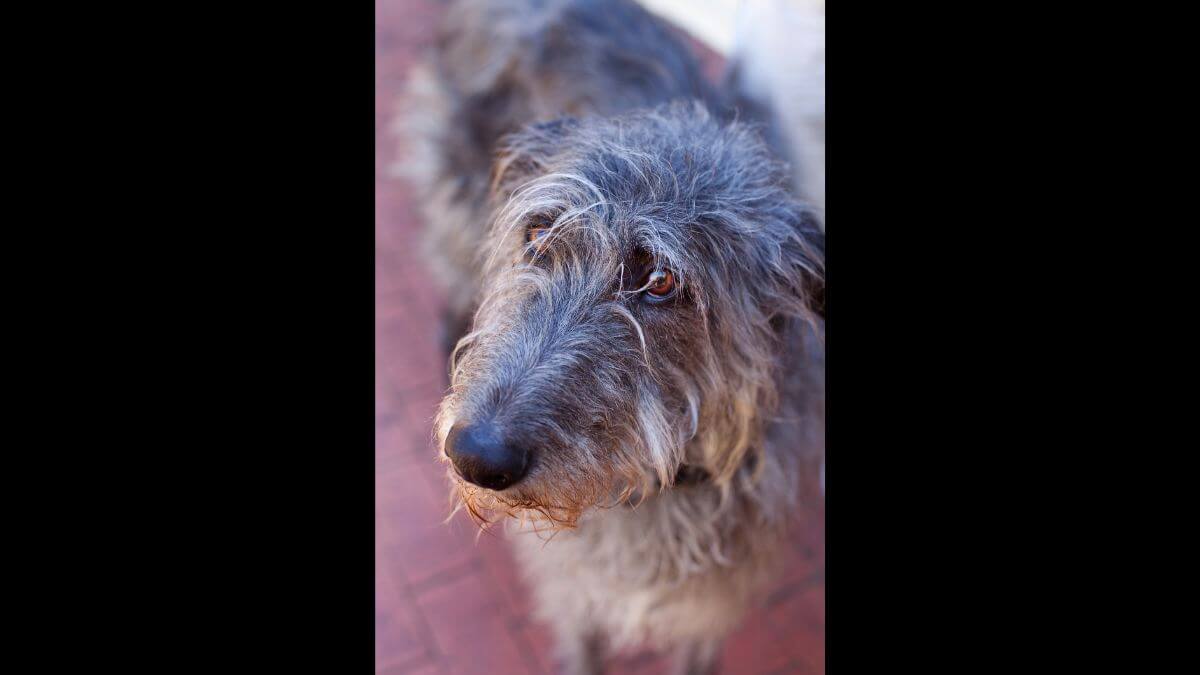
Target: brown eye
[(661, 284), (536, 235)]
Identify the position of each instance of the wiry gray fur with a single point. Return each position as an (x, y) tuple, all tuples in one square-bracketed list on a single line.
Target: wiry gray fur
[(568, 354)]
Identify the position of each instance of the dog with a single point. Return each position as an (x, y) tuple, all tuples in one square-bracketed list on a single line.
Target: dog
[(635, 320)]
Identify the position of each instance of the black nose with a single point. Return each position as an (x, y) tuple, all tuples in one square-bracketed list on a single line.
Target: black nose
[(482, 456)]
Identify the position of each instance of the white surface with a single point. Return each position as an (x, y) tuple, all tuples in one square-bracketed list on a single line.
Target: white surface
[(781, 45), (711, 21)]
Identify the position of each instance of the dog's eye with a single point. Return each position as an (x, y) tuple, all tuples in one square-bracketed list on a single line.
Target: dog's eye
[(660, 284), (536, 235)]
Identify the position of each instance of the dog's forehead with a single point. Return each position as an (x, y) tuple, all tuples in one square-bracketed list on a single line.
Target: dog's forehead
[(640, 195), (650, 183), (627, 229)]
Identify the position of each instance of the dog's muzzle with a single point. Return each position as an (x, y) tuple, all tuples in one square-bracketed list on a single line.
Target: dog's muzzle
[(481, 455)]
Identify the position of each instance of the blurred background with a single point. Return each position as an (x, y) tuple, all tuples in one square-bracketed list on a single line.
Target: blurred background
[(447, 600)]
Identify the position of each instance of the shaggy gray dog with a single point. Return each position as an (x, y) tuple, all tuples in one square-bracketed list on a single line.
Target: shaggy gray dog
[(641, 377)]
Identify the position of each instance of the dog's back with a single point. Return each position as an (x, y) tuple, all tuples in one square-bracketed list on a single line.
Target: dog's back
[(508, 63)]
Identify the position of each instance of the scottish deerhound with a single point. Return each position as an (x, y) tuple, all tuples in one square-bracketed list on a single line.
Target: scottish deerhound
[(641, 377)]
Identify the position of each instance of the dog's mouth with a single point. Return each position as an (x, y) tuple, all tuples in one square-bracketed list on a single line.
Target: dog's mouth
[(553, 487), (542, 508), (487, 507)]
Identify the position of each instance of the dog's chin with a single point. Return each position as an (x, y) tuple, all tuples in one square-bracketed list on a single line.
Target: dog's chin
[(527, 505)]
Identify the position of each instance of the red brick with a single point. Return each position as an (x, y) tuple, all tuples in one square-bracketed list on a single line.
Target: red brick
[(407, 358), (420, 407), (410, 516), (755, 648), (388, 459), (418, 668), (398, 626), (800, 621), (501, 572), (642, 664), (470, 628), (538, 643), (399, 447)]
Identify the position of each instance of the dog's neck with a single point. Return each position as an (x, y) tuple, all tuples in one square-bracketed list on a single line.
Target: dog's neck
[(689, 475)]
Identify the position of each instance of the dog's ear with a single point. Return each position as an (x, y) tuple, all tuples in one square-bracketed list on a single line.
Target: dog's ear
[(806, 255), (523, 155), (796, 263)]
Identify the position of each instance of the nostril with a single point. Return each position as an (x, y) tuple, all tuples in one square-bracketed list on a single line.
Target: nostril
[(482, 456)]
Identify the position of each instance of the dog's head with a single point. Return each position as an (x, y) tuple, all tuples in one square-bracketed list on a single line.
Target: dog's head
[(640, 273)]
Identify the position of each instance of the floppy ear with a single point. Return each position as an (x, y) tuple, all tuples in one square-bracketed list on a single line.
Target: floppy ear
[(808, 259), (798, 269), (524, 154)]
